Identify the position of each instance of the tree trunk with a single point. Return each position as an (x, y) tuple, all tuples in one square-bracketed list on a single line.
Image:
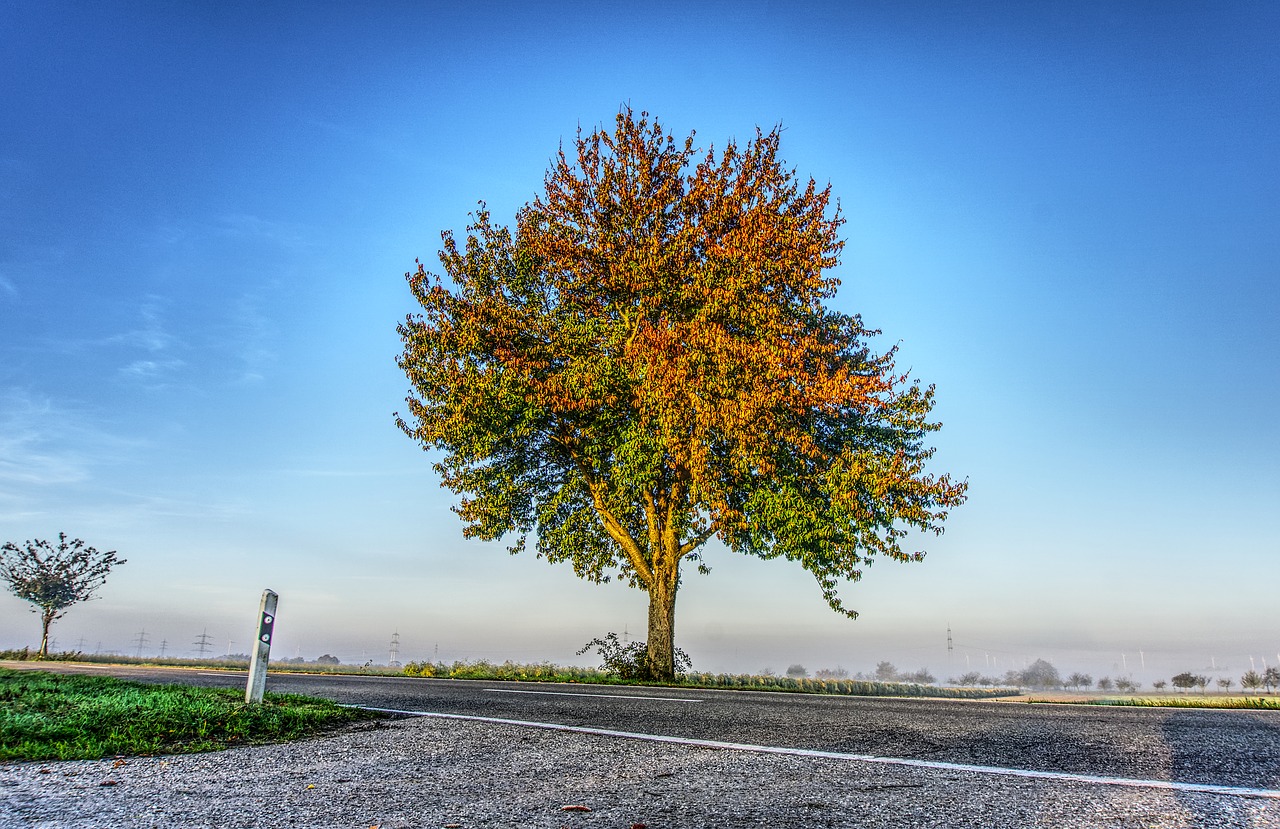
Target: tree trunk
[(662, 625), (46, 619)]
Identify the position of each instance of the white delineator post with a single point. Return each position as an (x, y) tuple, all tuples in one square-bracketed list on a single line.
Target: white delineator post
[(262, 648)]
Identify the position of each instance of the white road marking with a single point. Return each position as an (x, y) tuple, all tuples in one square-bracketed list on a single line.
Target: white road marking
[(569, 694), (1170, 785), (220, 673)]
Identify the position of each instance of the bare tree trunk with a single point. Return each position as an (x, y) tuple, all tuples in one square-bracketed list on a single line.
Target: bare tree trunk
[(46, 619), (662, 625)]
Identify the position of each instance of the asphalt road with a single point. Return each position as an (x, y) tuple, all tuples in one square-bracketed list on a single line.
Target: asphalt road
[(1231, 748)]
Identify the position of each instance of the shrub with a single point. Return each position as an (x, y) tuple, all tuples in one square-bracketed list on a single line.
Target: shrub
[(630, 661)]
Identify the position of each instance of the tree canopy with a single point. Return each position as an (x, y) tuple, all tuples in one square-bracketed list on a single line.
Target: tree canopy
[(648, 361), (54, 577)]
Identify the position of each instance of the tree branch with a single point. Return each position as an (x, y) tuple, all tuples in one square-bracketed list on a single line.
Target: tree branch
[(697, 541)]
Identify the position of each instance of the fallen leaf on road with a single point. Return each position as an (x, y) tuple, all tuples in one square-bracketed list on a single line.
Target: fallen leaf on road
[(118, 763), (575, 808), (107, 783)]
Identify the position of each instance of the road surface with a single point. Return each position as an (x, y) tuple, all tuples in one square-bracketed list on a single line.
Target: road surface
[(797, 761), (1238, 748)]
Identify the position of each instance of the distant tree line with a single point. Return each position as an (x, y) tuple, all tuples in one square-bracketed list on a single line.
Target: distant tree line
[(1042, 675)]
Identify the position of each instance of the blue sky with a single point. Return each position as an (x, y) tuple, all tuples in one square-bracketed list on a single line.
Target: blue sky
[(1066, 216)]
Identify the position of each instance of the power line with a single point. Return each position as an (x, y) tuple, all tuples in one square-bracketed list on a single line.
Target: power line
[(202, 642), (394, 662), (142, 641)]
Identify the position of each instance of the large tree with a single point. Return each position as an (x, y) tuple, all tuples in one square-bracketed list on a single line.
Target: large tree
[(54, 576), (649, 361)]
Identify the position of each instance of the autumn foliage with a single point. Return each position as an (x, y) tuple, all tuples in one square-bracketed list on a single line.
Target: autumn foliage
[(649, 361)]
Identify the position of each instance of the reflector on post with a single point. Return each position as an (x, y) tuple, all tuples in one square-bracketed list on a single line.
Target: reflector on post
[(262, 648)]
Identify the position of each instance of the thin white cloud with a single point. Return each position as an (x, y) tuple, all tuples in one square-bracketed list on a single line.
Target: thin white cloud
[(287, 234), (253, 333), (42, 445), (151, 370), (132, 508), (8, 288), (151, 334)]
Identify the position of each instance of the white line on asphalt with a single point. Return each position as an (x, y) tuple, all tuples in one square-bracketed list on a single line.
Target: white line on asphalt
[(220, 673), (1204, 788), (609, 696)]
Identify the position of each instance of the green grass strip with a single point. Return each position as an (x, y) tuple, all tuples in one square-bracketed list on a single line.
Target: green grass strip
[(46, 716), (1189, 702)]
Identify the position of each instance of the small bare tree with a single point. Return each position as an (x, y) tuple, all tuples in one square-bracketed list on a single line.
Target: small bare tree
[(1079, 680), (54, 577)]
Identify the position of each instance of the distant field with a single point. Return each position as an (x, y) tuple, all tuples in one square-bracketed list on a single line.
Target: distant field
[(545, 672)]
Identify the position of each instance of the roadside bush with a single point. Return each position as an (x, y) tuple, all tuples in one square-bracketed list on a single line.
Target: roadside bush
[(630, 661), (25, 654)]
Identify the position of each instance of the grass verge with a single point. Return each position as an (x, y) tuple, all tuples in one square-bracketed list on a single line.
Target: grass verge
[(1189, 702), (46, 716), (208, 663), (513, 672)]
